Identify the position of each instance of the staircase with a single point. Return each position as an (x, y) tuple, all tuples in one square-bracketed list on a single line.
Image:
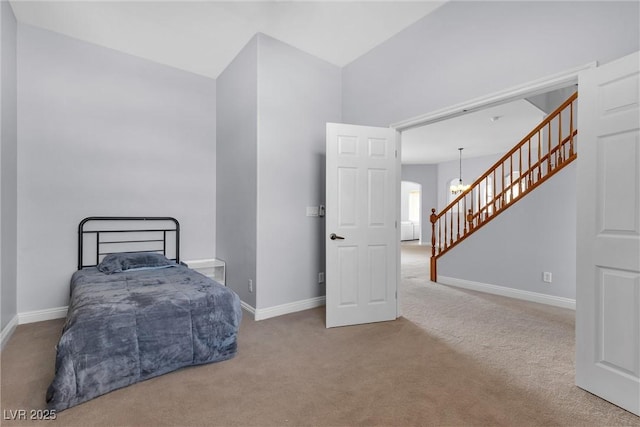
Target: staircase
[(547, 149)]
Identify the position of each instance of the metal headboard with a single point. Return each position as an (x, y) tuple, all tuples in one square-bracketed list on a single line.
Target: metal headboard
[(140, 239)]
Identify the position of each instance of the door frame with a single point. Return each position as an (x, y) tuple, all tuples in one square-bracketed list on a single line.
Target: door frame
[(528, 89), (401, 203)]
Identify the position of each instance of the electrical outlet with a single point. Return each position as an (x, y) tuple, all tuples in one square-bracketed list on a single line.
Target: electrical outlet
[(546, 277), (321, 277), (250, 286)]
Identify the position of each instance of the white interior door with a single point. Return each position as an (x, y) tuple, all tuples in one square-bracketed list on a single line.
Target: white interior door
[(608, 233), (361, 224)]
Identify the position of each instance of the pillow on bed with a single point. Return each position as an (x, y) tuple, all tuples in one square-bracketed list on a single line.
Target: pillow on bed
[(117, 263)]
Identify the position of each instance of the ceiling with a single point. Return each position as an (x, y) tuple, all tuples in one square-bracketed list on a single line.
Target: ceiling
[(475, 132), (204, 36)]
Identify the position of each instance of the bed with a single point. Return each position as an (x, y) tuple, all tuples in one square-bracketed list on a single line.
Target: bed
[(136, 312)]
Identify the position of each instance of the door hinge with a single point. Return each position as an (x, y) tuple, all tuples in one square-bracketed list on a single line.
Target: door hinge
[(396, 224)]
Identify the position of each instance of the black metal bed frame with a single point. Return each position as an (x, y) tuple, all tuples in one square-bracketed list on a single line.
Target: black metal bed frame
[(99, 251)]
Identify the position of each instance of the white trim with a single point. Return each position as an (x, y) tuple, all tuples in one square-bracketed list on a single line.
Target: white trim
[(292, 307), (248, 308), (42, 315), (398, 219), (535, 87), (8, 331), (509, 292), (259, 314), (204, 263)]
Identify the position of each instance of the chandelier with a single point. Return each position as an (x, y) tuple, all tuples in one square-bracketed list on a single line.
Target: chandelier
[(459, 187)]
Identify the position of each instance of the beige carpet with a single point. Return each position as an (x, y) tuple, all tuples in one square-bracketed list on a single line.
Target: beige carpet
[(455, 358)]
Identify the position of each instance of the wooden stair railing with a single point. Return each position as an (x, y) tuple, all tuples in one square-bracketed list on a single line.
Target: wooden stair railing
[(547, 149)]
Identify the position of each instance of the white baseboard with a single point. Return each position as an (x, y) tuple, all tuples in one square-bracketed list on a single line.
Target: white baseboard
[(8, 331), (42, 315), (248, 308), (30, 317), (258, 313), (509, 292), (292, 307)]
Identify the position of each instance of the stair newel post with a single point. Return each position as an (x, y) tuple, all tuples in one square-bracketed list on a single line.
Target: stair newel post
[(470, 219), (433, 218)]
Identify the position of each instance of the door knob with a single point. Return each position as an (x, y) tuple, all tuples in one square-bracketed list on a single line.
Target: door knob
[(334, 236)]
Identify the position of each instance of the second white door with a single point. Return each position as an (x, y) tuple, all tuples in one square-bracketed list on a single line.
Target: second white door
[(608, 255), (361, 224)]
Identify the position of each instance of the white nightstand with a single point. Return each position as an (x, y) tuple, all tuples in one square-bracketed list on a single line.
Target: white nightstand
[(213, 268)]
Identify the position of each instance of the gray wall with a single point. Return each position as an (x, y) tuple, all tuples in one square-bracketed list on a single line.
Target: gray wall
[(298, 95), (465, 50), (513, 252), (427, 176), (105, 133), (8, 165), (273, 104), (236, 167)]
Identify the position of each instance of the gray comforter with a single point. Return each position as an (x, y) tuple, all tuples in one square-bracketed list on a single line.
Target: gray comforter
[(127, 327)]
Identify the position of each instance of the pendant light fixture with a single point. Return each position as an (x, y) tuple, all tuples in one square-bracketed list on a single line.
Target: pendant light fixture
[(459, 187)]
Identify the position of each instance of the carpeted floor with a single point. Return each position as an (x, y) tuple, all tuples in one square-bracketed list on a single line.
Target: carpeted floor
[(455, 358)]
